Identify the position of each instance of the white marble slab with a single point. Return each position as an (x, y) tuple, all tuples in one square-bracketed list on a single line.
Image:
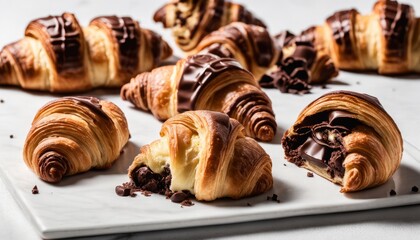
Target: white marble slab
[(86, 204)]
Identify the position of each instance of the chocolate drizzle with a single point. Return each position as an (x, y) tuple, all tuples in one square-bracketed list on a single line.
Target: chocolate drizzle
[(64, 39), (92, 103), (341, 24), (395, 23), (199, 70), (127, 35)]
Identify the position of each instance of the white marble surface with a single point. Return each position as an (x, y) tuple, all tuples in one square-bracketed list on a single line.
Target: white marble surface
[(399, 97)]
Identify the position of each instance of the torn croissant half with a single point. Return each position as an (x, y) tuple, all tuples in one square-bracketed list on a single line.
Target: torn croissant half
[(206, 154), (347, 138), (74, 134)]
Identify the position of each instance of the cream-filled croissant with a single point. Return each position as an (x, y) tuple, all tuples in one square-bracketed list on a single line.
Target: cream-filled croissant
[(191, 20), (204, 82), (74, 134), (58, 55), (386, 40), (206, 154), (347, 138), (251, 45)]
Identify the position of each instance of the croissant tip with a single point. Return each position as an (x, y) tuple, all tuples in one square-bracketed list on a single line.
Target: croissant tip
[(266, 134)]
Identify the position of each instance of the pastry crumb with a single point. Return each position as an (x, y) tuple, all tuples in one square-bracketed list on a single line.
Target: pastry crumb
[(309, 174)]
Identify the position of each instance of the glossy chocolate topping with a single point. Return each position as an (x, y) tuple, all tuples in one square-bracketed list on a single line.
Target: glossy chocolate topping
[(64, 38), (341, 24), (394, 20), (127, 35), (199, 70), (247, 17), (92, 103), (305, 50)]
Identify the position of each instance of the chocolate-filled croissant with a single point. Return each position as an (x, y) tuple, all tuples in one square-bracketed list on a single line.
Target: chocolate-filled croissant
[(74, 134), (206, 154), (347, 138), (251, 45), (204, 82), (191, 20), (386, 40), (57, 55)]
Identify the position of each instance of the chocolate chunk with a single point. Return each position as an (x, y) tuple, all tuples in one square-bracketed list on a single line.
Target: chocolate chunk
[(275, 197), (309, 174), (11, 136), (392, 192), (414, 189), (178, 197), (187, 203), (1, 101), (35, 190), (122, 191)]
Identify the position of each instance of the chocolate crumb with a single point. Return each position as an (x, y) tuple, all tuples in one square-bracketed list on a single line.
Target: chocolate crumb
[(392, 192), (284, 164), (268, 198), (11, 136), (275, 197), (248, 204), (324, 86), (414, 189), (35, 190), (146, 193), (133, 194), (122, 191), (1, 101), (178, 197), (309, 174)]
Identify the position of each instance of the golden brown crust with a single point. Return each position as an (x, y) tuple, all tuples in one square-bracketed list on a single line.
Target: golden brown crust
[(209, 156), (205, 82), (74, 134), (251, 45), (383, 40), (373, 148), (57, 55)]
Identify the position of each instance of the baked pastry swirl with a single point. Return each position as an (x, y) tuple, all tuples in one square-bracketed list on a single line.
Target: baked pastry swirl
[(71, 135), (347, 138), (57, 55), (204, 82), (191, 20), (251, 45), (386, 40), (206, 154)]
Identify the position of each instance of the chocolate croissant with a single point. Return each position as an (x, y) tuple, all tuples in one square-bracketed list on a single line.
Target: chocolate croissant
[(204, 153), (347, 138), (191, 20), (74, 134), (204, 82), (385, 40), (251, 45), (57, 55)]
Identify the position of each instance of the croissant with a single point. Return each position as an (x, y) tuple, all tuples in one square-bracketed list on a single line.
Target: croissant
[(57, 55), (204, 82), (206, 154), (386, 40), (191, 20), (74, 134), (347, 138), (251, 45)]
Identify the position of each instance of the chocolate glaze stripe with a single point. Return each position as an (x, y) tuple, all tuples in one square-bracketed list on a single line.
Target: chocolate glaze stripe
[(127, 35), (64, 39), (92, 103), (368, 98), (199, 71), (341, 24), (395, 21)]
